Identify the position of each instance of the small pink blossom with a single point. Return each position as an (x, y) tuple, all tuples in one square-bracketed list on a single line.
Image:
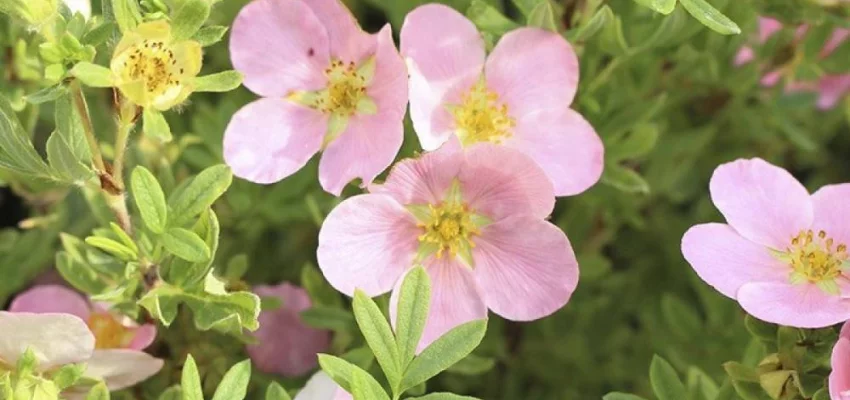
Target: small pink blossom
[(831, 88), (839, 378), (474, 219), (118, 340), (287, 346), (782, 253), (325, 85), (519, 96)]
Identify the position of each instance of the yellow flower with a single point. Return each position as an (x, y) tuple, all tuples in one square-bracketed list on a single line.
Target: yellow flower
[(151, 69)]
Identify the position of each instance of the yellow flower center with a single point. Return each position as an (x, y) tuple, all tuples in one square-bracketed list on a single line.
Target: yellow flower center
[(816, 258), (108, 332), (481, 117), (346, 87), (450, 227), (152, 62)]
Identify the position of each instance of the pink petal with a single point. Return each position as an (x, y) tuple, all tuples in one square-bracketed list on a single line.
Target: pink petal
[(801, 306), (279, 46), (444, 51), (455, 299), (533, 70), (144, 335), (767, 28), (497, 182), (771, 78), (371, 142), (839, 378), (564, 144), (122, 368), (347, 41), (832, 89), (525, 267), (836, 39), (832, 212), (55, 339), (762, 202), (725, 260), (744, 56), (51, 299), (367, 242), (271, 138), (423, 180), (286, 345), (322, 387)]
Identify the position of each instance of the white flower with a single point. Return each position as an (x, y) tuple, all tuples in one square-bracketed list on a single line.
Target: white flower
[(80, 6), (322, 387)]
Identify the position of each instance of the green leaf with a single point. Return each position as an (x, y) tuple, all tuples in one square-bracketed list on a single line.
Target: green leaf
[(624, 179), (680, 316), (321, 292), (379, 336), (126, 13), (443, 396), (210, 35), (156, 126), (184, 273), (64, 162), (187, 18), (664, 380), (112, 247), (621, 396), (185, 244), (338, 369), (190, 380), (98, 392), (473, 365), (234, 385), (764, 331), (92, 74), (228, 313), (413, 306), (661, 6), (70, 127), (612, 40), (149, 199), (199, 194), (543, 16), (80, 275), (638, 143), (99, 34), (47, 94), (603, 17), (711, 17), (68, 375), (365, 387), (220, 82), (172, 393), (444, 352), (276, 392), (489, 19), (16, 151)]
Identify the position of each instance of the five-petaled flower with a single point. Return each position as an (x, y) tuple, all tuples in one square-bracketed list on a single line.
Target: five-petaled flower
[(152, 69), (58, 339), (783, 254), (839, 378), (474, 219), (519, 96), (118, 341), (326, 86), (285, 344)]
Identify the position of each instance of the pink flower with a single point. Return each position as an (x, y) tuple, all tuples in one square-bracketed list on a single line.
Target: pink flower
[(519, 96), (286, 345), (783, 254), (474, 219), (325, 85), (831, 88), (118, 341), (839, 378), (322, 387)]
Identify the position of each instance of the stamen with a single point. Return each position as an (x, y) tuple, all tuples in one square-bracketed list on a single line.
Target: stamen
[(480, 117), (450, 227), (153, 63), (814, 260), (109, 333)]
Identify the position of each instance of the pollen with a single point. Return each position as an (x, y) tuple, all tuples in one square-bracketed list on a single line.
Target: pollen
[(108, 332), (153, 63), (816, 258), (481, 117), (450, 227)]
